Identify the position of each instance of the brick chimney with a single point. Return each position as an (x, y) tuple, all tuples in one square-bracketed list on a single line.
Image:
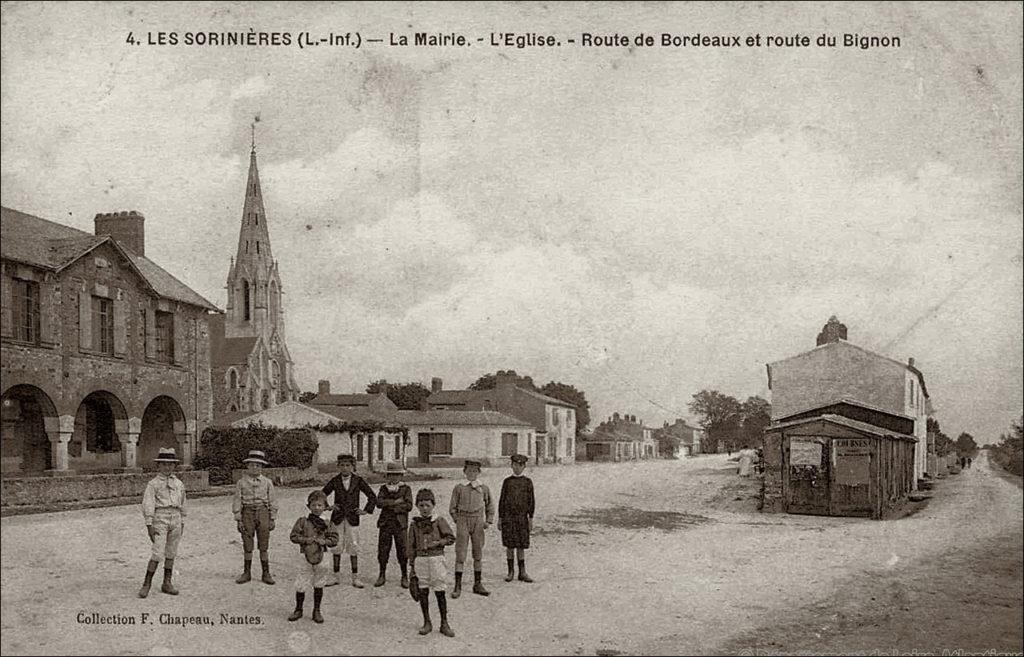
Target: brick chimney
[(323, 387), (436, 384), (127, 228), (910, 361), (833, 331)]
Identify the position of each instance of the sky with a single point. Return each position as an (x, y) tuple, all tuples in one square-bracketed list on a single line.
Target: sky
[(640, 222)]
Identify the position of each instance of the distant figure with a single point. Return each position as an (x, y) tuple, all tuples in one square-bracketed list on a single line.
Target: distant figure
[(963, 462), (969, 461), (746, 457)]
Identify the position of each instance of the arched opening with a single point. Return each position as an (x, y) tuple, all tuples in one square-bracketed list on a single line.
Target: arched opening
[(94, 444), (162, 421), (273, 301), (246, 306), (24, 446), (232, 379)]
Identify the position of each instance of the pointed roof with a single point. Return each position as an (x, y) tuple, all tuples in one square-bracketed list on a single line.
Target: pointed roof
[(253, 237)]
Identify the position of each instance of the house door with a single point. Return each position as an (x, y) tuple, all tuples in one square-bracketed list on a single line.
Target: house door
[(808, 461), (423, 440), (851, 477)]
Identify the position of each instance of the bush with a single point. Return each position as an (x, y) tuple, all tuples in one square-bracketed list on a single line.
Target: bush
[(222, 449)]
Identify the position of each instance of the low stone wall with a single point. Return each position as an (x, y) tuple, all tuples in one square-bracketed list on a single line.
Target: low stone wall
[(34, 491), (283, 476)]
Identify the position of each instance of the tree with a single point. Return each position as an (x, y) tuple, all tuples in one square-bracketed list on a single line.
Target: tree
[(965, 445), (570, 395), (305, 397), (406, 396), (756, 415), (943, 444), (490, 381), (720, 417)]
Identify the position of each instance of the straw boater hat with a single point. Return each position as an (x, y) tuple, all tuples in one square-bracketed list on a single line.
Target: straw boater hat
[(256, 456), (394, 468), (167, 455)]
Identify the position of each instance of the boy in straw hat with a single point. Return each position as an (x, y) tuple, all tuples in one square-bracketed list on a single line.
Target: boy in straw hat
[(395, 502), (163, 507), (255, 512)]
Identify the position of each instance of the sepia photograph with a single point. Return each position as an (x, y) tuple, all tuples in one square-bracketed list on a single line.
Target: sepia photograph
[(511, 328)]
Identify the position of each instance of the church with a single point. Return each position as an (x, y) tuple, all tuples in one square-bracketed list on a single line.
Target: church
[(251, 368)]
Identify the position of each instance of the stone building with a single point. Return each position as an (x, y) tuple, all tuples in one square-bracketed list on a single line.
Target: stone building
[(252, 368), (104, 355), (687, 437), (553, 420), (621, 438)]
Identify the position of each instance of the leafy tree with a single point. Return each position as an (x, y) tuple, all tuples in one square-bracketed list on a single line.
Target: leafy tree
[(720, 417), (490, 381), (570, 395), (943, 444), (305, 397), (756, 415), (965, 445), (406, 396)]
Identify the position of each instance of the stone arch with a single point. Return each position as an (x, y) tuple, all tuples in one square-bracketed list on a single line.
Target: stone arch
[(27, 414), (163, 425), (99, 418)]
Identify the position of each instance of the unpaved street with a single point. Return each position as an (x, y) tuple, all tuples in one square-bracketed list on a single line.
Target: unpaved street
[(698, 571)]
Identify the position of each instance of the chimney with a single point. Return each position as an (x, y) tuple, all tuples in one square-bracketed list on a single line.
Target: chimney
[(127, 229), (910, 361), (833, 331), (436, 384), (323, 387)]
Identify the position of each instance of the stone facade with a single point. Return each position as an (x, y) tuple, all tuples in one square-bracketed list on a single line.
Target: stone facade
[(104, 356)]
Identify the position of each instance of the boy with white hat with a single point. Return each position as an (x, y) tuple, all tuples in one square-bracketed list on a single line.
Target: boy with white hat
[(255, 512), (163, 507), (395, 502)]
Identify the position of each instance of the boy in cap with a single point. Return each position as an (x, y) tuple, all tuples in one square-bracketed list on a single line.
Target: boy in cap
[(346, 486), (515, 517), (163, 507), (312, 534), (473, 511), (394, 499), (428, 536), (255, 513)]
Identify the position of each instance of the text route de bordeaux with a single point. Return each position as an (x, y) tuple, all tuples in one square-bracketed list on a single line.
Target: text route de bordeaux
[(664, 39)]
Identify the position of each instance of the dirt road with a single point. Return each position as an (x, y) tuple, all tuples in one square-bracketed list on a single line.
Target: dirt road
[(653, 557)]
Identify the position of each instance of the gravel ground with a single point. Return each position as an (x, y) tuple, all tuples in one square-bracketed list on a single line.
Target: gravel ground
[(654, 557)]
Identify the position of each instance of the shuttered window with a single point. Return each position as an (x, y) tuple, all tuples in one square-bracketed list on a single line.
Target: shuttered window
[(25, 308), (509, 443), (164, 336), (103, 325)]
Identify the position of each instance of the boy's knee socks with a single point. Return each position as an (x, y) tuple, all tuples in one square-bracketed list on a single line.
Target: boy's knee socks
[(442, 605), (337, 562), (300, 598), (425, 604), (318, 595), (354, 560)]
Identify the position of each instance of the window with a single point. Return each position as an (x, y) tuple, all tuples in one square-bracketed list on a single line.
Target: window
[(257, 247), (435, 443), (398, 447), (509, 444), (569, 415), (164, 326), (554, 416), (380, 448), (103, 325), (570, 447), (359, 447), (142, 329), (232, 379), (245, 293), (25, 310)]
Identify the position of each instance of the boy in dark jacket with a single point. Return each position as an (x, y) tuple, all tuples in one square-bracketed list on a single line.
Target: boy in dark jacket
[(394, 499), (313, 535), (515, 517), (428, 536), (347, 486)]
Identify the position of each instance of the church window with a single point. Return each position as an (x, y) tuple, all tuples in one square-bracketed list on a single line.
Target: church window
[(257, 247), (234, 408), (232, 379), (247, 246), (245, 300)]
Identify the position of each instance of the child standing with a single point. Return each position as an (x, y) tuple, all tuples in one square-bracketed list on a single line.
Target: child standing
[(255, 512), (312, 534), (515, 517), (163, 507), (473, 511), (428, 536), (346, 486), (394, 499)]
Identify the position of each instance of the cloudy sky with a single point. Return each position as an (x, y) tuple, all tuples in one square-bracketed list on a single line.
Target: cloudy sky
[(639, 222)]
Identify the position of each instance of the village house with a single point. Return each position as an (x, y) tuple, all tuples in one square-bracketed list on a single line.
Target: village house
[(553, 420), (844, 434), (836, 370), (621, 438), (687, 438), (252, 367), (450, 437), (104, 355)]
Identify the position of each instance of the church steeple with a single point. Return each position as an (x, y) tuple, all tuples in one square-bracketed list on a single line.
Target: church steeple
[(253, 238)]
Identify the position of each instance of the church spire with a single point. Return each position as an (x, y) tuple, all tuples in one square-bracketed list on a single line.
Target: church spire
[(253, 237)]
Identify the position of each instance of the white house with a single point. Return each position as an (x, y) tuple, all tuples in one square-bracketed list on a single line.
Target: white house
[(444, 436)]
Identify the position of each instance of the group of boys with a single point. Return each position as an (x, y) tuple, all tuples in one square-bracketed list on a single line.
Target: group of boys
[(423, 540)]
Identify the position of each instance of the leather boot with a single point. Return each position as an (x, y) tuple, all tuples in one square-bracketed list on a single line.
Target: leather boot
[(168, 586), (297, 614), (336, 579), (478, 585), (458, 586), (442, 608), (267, 577), (425, 608), (318, 595), (405, 581), (511, 571), (150, 570), (523, 577), (380, 579), (246, 575)]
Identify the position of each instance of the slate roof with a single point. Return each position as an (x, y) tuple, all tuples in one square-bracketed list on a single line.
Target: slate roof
[(355, 413), (460, 397), (46, 244), (357, 399), (459, 418), (862, 427), (227, 351)]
